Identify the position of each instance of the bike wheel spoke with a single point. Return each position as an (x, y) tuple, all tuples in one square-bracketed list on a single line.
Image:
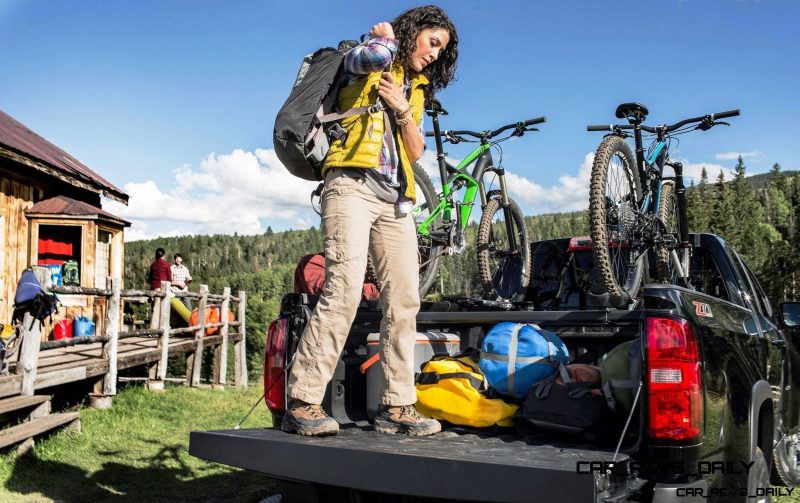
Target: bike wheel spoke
[(619, 192), (504, 270)]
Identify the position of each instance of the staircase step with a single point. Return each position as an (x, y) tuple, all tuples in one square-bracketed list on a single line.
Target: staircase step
[(22, 402), (16, 434)]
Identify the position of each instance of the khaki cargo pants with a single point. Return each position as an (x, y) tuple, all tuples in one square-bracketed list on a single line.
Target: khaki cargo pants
[(353, 218)]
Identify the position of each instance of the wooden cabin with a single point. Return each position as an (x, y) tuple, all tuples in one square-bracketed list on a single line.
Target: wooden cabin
[(50, 213)]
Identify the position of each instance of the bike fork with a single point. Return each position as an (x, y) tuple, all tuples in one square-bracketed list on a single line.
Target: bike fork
[(512, 239), (683, 224)]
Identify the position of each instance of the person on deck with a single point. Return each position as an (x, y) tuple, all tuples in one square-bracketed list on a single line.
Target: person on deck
[(181, 279), (368, 191), (159, 270)]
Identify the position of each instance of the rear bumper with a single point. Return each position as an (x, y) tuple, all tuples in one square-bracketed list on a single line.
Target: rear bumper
[(463, 468), (693, 492)]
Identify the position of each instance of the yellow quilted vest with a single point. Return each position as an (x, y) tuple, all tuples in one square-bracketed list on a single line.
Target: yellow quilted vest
[(364, 140)]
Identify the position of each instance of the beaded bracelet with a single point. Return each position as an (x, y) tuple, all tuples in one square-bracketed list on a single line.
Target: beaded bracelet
[(404, 121)]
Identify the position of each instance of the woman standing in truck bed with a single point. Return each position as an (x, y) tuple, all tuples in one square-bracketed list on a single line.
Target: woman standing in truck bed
[(369, 188)]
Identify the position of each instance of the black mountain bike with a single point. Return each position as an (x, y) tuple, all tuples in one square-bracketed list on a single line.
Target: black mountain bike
[(441, 219), (634, 208)]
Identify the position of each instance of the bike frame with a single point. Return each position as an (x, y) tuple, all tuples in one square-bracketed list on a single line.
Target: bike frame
[(455, 177), (651, 173), (459, 178)]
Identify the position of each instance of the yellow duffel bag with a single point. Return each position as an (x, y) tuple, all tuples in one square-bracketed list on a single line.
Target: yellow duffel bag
[(451, 388)]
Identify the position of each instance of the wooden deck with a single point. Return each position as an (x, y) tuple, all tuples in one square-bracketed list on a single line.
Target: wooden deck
[(77, 363), (38, 364)]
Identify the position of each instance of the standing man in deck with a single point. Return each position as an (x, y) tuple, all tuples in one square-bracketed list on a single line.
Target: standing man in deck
[(181, 279), (159, 270)]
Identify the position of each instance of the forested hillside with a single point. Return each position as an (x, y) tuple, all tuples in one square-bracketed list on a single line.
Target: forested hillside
[(264, 265), (761, 223)]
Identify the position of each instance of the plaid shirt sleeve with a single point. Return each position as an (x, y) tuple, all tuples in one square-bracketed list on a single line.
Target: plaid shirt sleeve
[(372, 57)]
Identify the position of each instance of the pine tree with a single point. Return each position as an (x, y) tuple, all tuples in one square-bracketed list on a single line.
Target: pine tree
[(793, 262), (777, 179), (699, 205), (722, 219), (776, 201)]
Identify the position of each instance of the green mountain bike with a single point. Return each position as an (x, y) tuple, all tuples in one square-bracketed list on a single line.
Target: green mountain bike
[(502, 241)]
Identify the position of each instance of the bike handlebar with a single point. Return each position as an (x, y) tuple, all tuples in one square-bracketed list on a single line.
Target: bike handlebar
[(531, 122), (723, 115), (490, 134), (602, 127), (666, 129)]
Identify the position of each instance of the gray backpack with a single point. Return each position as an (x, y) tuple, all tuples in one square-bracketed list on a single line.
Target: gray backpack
[(308, 120)]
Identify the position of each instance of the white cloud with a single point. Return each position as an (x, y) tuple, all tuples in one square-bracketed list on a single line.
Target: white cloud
[(733, 156), (693, 170), (571, 193), (244, 192), (237, 192)]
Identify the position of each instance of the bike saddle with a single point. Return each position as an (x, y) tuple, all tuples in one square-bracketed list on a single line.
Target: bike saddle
[(432, 105), (634, 112)]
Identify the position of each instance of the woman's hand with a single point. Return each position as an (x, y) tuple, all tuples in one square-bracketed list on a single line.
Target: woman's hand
[(394, 98), (382, 30), (392, 94)]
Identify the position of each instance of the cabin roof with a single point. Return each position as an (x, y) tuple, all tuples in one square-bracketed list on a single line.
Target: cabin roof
[(16, 138), (66, 206)]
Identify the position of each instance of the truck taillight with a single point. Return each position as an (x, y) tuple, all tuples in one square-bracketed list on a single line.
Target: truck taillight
[(275, 363), (674, 380)]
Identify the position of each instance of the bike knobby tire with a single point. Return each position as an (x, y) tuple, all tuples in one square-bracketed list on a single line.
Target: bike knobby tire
[(427, 199), (504, 272), (669, 215), (614, 192), (428, 253)]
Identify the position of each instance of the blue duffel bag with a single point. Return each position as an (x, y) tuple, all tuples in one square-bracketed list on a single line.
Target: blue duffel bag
[(515, 356)]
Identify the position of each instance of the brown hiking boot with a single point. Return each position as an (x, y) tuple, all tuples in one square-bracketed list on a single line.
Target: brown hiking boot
[(308, 419), (405, 419)]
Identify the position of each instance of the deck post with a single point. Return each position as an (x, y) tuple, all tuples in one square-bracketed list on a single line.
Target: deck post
[(239, 351), (155, 316), (163, 341), (112, 332), (197, 358), (28, 360), (221, 351)]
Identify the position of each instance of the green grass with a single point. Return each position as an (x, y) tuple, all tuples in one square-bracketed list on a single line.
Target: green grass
[(138, 451)]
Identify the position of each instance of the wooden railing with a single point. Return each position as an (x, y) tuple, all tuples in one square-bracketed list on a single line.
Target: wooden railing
[(159, 327)]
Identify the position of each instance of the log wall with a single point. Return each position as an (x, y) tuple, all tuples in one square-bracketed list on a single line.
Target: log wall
[(15, 197)]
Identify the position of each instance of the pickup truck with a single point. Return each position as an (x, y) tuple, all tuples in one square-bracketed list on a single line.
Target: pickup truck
[(726, 429)]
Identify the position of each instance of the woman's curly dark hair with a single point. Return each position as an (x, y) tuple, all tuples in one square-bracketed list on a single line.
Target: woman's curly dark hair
[(407, 26)]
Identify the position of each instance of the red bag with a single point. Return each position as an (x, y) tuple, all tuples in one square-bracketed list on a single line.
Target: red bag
[(62, 329), (309, 277)]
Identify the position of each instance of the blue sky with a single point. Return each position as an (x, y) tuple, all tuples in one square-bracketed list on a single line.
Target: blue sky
[(175, 101)]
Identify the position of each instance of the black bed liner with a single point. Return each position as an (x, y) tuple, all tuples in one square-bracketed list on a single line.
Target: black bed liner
[(447, 465)]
